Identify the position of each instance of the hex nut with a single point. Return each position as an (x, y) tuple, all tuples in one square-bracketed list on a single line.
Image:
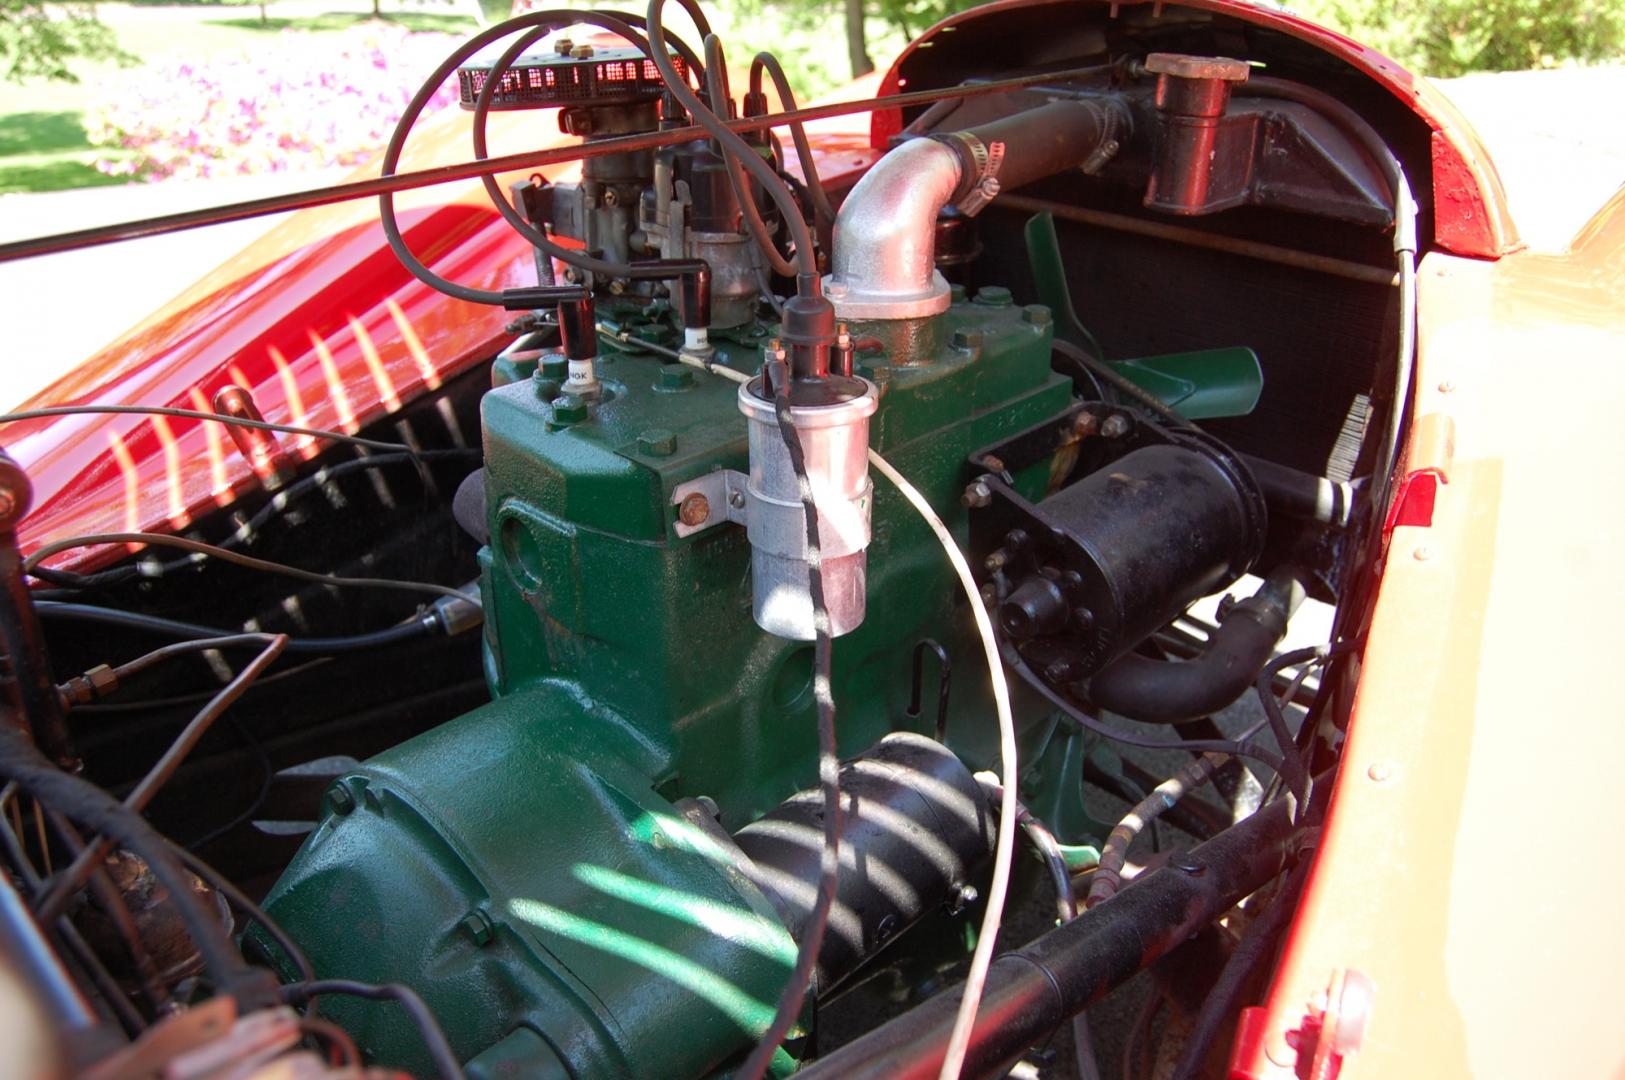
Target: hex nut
[(977, 495), (676, 377), (341, 800), (568, 409), (966, 339), (1115, 426), (1037, 315)]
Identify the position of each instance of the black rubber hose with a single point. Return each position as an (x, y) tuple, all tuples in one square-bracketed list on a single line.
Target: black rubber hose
[(414, 109), (731, 144), (768, 63), (1258, 943), (716, 81), (1180, 691), (1033, 990), (653, 269), (325, 646)]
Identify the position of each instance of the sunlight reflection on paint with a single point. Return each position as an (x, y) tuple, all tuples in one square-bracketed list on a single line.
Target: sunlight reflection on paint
[(306, 444), (738, 925), (172, 472), (375, 366), (132, 484), (335, 385), (752, 1016), (219, 482), (414, 345)]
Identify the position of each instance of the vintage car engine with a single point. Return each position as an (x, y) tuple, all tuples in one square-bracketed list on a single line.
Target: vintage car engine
[(744, 428)]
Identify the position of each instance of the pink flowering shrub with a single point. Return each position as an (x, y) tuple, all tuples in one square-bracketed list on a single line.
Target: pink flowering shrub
[(305, 100)]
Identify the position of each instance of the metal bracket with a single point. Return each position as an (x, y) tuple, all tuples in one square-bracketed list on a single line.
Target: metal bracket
[(713, 499)]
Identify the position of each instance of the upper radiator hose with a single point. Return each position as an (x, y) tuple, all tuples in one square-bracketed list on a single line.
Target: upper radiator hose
[(883, 266)]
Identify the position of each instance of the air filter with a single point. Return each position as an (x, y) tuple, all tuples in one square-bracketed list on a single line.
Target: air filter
[(566, 74)]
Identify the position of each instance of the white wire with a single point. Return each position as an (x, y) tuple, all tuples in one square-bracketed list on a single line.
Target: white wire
[(1004, 847)]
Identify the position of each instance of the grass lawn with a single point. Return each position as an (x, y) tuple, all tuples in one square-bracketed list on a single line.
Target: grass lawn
[(43, 146)]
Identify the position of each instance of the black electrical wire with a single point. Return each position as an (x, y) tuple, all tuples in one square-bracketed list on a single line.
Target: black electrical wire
[(72, 879), (1294, 770), (267, 779), (766, 61), (1238, 969), (230, 556), (1121, 383), (195, 414), (440, 1052), (322, 646), (731, 145), (276, 506), (716, 81), (829, 765), (241, 901), (80, 800)]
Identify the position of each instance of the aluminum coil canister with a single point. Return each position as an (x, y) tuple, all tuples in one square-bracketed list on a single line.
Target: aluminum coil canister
[(835, 445)]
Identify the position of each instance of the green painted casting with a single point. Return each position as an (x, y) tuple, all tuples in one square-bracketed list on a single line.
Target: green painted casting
[(523, 867)]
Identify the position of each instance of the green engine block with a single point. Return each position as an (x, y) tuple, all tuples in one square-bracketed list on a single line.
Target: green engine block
[(523, 867)]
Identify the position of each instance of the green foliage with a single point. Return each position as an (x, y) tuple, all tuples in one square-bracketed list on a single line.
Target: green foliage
[(37, 38), (1444, 38), (911, 18)]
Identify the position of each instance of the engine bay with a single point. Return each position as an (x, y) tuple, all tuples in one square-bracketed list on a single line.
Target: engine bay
[(903, 626)]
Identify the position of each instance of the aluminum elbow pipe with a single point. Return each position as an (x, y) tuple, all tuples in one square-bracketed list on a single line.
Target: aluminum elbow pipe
[(885, 239)]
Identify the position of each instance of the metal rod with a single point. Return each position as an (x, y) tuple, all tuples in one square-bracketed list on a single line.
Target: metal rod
[(534, 159), (1183, 234)]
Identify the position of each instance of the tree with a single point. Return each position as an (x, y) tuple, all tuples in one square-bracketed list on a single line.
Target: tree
[(38, 38), (1452, 37)]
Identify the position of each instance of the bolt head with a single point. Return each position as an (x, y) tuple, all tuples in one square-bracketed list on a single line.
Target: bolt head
[(1115, 426), (994, 562), (966, 339), (676, 377), (568, 409), (694, 510), (1185, 864), (993, 296), (1037, 315), (477, 924), (341, 800), (657, 442), (736, 499), (1085, 424), (977, 495)]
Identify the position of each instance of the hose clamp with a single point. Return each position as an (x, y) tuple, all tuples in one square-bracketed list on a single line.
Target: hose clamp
[(983, 161)]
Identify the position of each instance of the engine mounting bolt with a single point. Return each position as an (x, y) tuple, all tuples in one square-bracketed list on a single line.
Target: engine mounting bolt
[(694, 510), (657, 442), (977, 495), (1380, 772), (478, 925), (568, 409), (1422, 553), (1185, 864), (341, 800), (966, 339), (993, 296), (1115, 426), (994, 562), (676, 377), (1038, 315)]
